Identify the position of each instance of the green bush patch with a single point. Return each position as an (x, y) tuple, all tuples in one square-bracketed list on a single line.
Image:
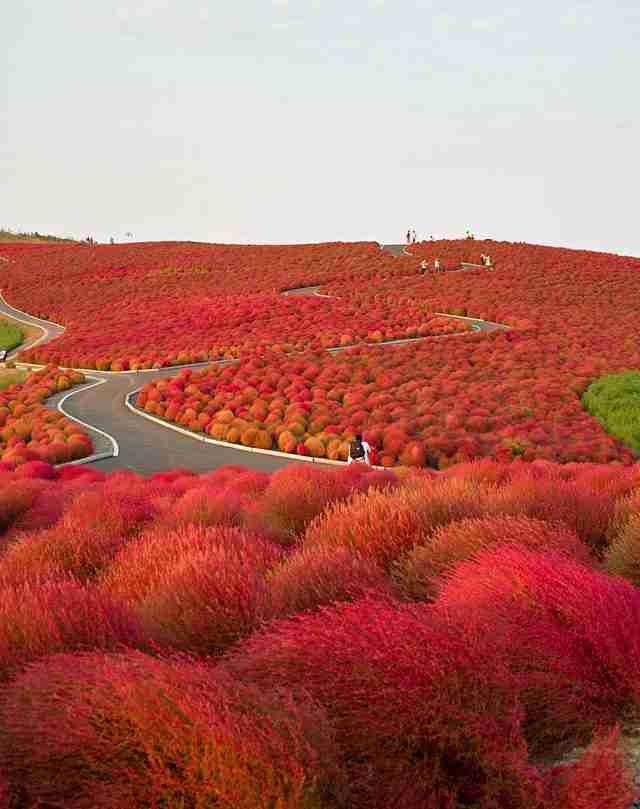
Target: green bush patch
[(10, 335), (615, 401), (11, 377)]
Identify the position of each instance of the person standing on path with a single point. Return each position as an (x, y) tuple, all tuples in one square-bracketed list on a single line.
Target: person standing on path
[(359, 451), (436, 265), (413, 237), (409, 236)]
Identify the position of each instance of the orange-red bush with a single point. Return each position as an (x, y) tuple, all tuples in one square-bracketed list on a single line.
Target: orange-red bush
[(313, 577), (419, 574), (383, 525), (138, 569)]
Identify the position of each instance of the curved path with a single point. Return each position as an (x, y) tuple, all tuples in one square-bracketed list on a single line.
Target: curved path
[(127, 440)]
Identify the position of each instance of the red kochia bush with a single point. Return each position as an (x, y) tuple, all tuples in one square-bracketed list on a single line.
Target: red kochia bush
[(317, 576), (39, 619), (420, 712), (97, 732), (419, 574), (140, 567), (207, 600), (65, 548), (383, 525), (294, 496), (567, 630), (36, 469), (623, 555), (206, 505), (588, 511), (16, 498), (600, 779)]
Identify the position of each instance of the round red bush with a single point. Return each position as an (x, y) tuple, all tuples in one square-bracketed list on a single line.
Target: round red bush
[(417, 709), (105, 731), (41, 618), (419, 574)]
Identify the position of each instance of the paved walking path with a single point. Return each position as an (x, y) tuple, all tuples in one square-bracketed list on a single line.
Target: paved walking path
[(144, 446)]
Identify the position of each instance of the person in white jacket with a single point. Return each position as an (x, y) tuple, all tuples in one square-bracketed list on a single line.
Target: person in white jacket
[(359, 451)]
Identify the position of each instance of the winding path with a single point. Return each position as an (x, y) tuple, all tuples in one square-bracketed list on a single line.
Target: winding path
[(124, 439)]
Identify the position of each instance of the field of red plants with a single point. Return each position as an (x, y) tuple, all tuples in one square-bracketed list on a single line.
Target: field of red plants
[(160, 304), (502, 395), (29, 431), (429, 403), (573, 318), (320, 638)]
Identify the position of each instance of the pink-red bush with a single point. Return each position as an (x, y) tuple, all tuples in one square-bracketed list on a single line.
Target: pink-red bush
[(42, 618), (294, 496), (206, 505), (416, 708), (623, 555), (567, 631), (600, 779), (384, 525), (104, 731), (588, 511), (206, 601)]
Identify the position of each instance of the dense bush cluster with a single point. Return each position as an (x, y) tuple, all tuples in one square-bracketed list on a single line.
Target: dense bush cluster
[(30, 431), (427, 403), (150, 305), (320, 638), (515, 393)]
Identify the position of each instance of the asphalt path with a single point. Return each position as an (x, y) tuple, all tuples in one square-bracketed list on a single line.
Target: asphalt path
[(146, 446)]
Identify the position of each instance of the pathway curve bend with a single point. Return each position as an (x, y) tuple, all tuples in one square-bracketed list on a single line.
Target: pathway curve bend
[(146, 446)]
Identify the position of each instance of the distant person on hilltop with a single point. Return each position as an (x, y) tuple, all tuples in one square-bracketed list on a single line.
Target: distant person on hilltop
[(413, 237), (359, 451), (409, 236), (436, 265)]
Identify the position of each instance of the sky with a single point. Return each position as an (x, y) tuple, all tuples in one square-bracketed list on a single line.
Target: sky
[(292, 121)]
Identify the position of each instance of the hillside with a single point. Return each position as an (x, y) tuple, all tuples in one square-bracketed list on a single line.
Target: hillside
[(7, 235)]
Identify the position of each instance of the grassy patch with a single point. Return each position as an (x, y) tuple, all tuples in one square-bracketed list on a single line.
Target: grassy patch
[(615, 401), (11, 377), (11, 335)]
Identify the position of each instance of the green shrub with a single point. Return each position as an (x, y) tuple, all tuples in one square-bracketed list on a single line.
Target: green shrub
[(12, 377), (615, 401), (10, 335)]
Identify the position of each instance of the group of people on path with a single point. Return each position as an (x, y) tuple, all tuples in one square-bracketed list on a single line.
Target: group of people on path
[(92, 242), (411, 236), (437, 266)]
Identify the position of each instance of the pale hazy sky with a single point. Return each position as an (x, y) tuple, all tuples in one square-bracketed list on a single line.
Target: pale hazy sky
[(313, 120)]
